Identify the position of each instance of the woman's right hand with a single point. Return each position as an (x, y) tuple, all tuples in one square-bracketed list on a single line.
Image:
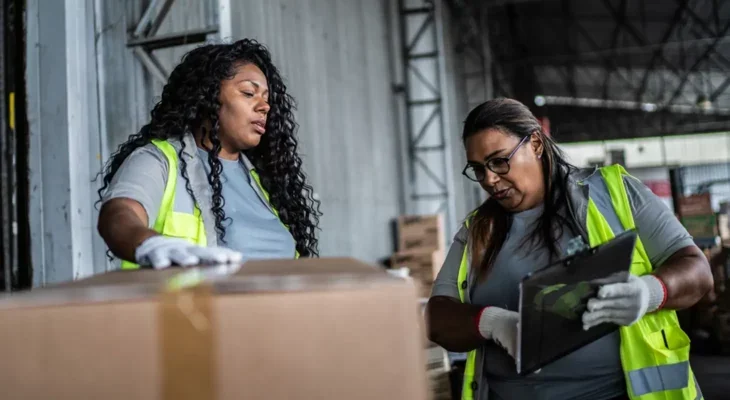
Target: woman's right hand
[(161, 252), (500, 325)]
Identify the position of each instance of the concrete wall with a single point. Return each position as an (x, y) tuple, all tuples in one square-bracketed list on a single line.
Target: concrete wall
[(87, 93)]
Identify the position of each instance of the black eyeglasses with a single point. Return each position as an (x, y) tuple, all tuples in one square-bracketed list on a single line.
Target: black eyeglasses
[(477, 172)]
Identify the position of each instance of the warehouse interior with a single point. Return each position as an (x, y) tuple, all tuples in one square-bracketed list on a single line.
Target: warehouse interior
[(382, 89)]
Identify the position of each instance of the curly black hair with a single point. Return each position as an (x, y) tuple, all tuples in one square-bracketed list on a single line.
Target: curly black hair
[(190, 100)]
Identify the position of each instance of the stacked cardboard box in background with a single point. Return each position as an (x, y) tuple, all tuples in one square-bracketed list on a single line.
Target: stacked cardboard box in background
[(421, 248), (438, 367), (697, 216)]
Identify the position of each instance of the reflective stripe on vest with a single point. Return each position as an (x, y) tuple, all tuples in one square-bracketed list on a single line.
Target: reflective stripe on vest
[(178, 224), (654, 351)]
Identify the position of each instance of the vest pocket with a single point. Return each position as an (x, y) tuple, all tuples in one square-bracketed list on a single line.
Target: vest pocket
[(669, 349), (671, 342), (182, 225)]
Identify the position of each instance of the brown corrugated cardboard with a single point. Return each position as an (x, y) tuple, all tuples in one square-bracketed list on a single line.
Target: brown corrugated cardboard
[(695, 205), (424, 265), (306, 329), (422, 232)]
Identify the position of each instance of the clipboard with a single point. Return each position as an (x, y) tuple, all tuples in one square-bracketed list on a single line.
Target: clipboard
[(553, 299)]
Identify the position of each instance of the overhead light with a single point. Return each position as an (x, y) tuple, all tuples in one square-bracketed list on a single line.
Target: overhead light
[(540, 101), (703, 102), (648, 107)]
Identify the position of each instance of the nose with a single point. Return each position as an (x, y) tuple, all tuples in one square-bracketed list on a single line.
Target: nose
[(490, 179), (263, 107)]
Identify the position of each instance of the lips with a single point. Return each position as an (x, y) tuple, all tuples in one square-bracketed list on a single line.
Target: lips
[(259, 126), (501, 194)]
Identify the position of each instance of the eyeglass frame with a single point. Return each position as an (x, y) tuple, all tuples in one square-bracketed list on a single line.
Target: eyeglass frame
[(486, 164)]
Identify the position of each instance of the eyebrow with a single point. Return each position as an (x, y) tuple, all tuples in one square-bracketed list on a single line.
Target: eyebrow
[(492, 154), (258, 85)]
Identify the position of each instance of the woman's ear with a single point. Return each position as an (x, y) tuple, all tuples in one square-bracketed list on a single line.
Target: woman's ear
[(536, 144)]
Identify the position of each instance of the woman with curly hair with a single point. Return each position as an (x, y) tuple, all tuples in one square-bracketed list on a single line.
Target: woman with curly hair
[(215, 175)]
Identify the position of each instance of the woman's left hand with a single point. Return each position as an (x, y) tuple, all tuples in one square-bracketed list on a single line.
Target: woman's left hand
[(625, 303)]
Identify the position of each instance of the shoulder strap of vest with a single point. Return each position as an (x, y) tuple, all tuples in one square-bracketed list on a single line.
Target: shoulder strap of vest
[(168, 198), (614, 177), (469, 217)]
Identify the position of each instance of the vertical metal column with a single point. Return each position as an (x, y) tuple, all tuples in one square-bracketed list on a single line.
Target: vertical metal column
[(476, 74), (8, 145), (4, 173), (430, 169)]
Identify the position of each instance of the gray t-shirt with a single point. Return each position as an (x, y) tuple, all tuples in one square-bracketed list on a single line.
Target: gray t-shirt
[(253, 229), (594, 372)]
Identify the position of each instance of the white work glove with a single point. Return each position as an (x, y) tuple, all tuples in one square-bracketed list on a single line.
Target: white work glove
[(500, 325), (625, 303), (162, 251)]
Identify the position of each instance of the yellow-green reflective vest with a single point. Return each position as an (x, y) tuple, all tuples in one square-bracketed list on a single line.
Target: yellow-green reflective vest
[(178, 224), (654, 369)]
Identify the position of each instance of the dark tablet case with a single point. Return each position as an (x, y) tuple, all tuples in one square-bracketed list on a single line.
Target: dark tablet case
[(545, 335)]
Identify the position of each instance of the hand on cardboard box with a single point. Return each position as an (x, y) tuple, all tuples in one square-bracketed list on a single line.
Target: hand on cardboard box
[(162, 251)]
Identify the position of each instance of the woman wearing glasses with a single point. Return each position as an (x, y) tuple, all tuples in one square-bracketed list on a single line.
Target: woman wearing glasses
[(537, 203)]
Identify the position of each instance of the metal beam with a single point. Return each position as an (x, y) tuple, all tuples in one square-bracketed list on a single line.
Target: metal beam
[(641, 40), (577, 124), (709, 50), (144, 39), (624, 50), (702, 24), (569, 40), (720, 89), (629, 105), (157, 21), (610, 61), (150, 43), (431, 181), (678, 14), (620, 20), (144, 23)]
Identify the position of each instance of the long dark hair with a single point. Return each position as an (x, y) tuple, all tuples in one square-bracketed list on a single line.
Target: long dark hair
[(490, 223), (191, 98)]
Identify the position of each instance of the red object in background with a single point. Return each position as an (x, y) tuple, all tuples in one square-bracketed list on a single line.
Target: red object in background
[(545, 125), (661, 188)]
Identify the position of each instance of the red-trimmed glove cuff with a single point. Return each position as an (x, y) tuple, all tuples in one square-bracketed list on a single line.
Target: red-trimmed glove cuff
[(666, 293), (478, 319)]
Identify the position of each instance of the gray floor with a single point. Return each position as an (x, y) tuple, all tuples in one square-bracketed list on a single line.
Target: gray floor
[(713, 374)]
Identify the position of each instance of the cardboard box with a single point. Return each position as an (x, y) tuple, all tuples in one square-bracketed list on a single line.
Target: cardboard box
[(701, 226), (424, 265), (695, 205), (304, 329), (421, 232)]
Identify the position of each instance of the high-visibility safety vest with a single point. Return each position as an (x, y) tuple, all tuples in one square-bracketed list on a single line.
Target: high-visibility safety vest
[(654, 350), (178, 224)]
